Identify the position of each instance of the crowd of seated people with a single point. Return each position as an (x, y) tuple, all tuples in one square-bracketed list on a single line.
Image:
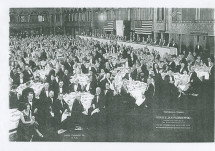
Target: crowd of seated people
[(65, 57)]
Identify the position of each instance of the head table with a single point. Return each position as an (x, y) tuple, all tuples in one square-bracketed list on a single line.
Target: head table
[(162, 50)]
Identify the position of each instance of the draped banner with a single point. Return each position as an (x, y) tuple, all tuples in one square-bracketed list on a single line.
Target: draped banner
[(119, 28)]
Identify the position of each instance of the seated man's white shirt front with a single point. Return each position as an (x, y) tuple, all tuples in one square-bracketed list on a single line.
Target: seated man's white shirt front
[(88, 87), (47, 93), (61, 90), (75, 87), (21, 80)]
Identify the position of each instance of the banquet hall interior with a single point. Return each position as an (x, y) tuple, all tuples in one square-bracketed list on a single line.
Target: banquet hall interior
[(111, 74)]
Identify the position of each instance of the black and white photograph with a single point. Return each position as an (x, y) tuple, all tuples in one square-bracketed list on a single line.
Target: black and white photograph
[(110, 74)]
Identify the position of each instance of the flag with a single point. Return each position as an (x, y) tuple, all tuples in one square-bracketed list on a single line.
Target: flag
[(146, 28), (109, 26)]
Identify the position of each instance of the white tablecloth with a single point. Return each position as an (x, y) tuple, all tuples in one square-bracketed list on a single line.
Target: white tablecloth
[(42, 73), (14, 118), (202, 71), (82, 79), (36, 86), (137, 89), (86, 100)]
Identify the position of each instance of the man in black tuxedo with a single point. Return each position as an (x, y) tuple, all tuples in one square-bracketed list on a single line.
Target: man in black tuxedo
[(108, 96), (209, 63), (90, 86), (18, 79), (174, 44), (96, 111), (74, 87), (83, 67), (92, 75), (51, 71), (198, 49), (66, 78), (134, 72), (60, 107), (144, 68), (26, 91), (32, 64), (44, 94), (27, 74), (98, 55), (211, 75), (109, 107), (132, 58), (33, 102), (172, 65), (164, 43), (43, 55), (105, 80), (69, 65), (124, 53), (50, 117), (50, 102), (149, 93), (61, 89), (53, 85), (60, 72), (194, 83)]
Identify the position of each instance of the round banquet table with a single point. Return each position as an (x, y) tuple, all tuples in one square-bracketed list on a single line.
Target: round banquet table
[(86, 100), (36, 86)]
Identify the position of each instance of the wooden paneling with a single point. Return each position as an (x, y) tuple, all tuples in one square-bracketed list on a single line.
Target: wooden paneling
[(188, 14), (206, 14)]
